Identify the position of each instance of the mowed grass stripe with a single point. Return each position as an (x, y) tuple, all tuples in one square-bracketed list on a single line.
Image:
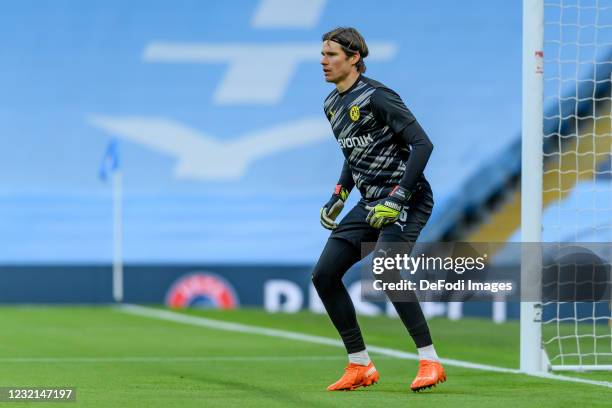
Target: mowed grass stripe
[(243, 328), (105, 332)]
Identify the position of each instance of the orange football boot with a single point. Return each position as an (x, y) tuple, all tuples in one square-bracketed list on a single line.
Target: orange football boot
[(430, 373), (355, 376)]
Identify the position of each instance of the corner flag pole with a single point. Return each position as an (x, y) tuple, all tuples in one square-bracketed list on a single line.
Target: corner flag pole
[(117, 236), (110, 165)]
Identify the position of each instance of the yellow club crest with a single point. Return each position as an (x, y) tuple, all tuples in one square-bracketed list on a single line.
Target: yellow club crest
[(354, 113), (331, 114)]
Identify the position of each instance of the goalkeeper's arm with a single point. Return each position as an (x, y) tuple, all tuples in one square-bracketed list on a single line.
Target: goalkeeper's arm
[(334, 206), (388, 210), (421, 147), (389, 108)]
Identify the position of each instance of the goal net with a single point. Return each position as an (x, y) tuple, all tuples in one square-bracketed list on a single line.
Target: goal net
[(576, 333)]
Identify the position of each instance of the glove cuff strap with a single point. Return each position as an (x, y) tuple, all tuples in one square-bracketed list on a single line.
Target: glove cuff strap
[(341, 192), (393, 205), (400, 194)]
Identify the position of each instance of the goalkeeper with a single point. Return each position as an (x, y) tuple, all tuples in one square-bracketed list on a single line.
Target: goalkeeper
[(385, 152)]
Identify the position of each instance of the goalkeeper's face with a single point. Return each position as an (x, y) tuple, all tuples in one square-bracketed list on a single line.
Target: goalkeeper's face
[(336, 64)]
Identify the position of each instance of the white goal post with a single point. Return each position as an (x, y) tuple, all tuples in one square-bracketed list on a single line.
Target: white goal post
[(566, 156), (531, 179)]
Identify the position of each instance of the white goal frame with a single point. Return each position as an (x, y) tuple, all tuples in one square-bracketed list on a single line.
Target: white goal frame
[(531, 181), (533, 358)]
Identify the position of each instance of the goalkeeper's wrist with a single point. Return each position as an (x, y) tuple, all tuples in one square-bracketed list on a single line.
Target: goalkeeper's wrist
[(341, 192), (400, 195)]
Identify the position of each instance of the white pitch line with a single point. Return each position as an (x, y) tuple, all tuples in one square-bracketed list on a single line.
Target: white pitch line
[(243, 328)]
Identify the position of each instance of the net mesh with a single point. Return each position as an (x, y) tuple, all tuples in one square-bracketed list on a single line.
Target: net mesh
[(577, 190)]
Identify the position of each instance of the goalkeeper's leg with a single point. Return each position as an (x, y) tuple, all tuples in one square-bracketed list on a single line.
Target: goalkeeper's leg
[(399, 238), (337, 257), (406, 304)]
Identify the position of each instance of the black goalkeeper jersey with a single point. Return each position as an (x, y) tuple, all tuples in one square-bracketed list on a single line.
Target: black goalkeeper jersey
[(366, 120)]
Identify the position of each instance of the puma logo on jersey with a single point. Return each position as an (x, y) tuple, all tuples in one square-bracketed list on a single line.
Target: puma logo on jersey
[(355, 141)]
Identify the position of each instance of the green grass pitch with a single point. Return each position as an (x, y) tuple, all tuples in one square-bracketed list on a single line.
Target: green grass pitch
[(116, 359)]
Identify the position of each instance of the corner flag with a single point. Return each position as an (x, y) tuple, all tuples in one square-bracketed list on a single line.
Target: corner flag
[(110, 160), (110, 167)]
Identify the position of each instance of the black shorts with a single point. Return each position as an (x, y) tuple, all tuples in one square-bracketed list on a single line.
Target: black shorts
[(354, 229)]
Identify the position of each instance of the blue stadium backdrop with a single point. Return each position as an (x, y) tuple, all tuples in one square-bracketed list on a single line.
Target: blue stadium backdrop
[(226, 156)]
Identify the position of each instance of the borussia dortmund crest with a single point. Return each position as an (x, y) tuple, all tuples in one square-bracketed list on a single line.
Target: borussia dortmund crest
[(354, 113)]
